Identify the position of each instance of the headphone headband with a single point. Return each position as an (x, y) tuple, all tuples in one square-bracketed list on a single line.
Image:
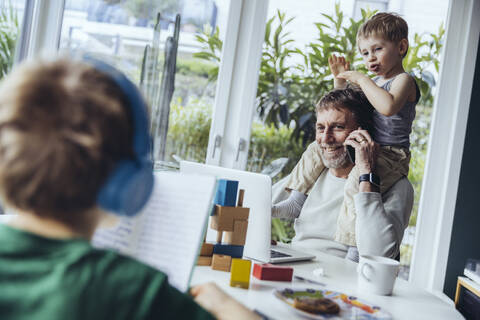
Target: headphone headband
[(130, 185)]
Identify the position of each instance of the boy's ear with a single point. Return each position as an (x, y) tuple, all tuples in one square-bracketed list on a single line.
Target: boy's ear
[(403, 47)]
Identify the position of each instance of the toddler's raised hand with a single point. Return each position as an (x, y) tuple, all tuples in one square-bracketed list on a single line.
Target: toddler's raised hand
[(338, 64)]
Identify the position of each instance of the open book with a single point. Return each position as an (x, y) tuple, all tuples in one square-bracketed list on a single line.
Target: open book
[(167, 234)]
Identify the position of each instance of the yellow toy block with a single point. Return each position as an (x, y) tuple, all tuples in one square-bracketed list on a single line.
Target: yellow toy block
[(240, 273)]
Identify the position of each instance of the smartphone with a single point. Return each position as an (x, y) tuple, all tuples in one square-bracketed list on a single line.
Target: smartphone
[(351, 153)]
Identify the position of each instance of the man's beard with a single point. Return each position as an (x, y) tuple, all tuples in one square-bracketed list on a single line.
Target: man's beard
[(335, 161)]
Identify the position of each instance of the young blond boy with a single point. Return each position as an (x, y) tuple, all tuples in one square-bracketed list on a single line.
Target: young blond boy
[(65, 126), (383, 43)]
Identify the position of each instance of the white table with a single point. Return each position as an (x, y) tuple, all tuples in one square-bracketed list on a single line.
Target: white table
[(406, 302)]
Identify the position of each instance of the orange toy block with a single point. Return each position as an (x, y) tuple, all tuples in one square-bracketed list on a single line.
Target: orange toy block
[(207, 249), (224, 217), (221, 262), (239, 234), (204, 261)]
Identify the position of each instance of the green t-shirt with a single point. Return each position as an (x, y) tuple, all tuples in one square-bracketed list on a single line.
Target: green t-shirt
[(43, 278)]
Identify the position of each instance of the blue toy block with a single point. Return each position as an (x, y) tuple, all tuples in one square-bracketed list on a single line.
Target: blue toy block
[(228, 250), (226, 194)]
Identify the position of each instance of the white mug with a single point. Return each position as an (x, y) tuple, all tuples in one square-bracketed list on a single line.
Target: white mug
[(377, 274)]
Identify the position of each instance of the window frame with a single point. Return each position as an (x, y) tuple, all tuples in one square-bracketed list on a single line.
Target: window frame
[(237, 84), (445, 147), (42, 34)]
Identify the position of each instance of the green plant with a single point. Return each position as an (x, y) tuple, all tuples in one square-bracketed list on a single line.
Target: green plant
[(275, 79), (212, 48), (424, 53), (195, 67), (282, 230), (9, 31), (188, 130), (338, 37), (268, 143)]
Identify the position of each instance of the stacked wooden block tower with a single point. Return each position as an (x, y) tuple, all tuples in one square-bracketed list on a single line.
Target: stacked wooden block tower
[(230, 220)]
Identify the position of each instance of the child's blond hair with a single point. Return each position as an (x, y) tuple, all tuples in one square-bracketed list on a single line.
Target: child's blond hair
[(63, 126), (389, 26)]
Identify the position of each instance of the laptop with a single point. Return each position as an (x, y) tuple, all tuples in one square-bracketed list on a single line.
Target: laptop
[(258, 197)]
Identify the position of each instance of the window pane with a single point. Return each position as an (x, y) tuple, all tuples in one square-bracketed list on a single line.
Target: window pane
[(11, 17), (129, 35), (295, 74)]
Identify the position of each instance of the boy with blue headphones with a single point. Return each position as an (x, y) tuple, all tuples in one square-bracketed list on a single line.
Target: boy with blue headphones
[(74, 143)]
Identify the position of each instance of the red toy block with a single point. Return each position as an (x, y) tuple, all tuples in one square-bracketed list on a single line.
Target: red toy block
[(271, 272)]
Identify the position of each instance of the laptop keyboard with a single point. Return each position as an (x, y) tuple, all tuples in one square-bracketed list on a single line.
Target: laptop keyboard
[(276, 254)]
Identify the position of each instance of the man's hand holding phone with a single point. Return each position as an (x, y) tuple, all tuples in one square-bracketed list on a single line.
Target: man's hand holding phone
[(362, 150)]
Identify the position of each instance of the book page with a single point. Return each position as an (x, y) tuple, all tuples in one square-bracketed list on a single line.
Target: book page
[(168, 232), (119, 238), (173, 223)]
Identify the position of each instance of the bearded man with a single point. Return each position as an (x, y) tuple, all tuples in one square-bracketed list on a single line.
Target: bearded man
[(343, 119)]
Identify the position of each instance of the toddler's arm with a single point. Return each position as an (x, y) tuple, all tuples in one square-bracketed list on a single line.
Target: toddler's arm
[(387, 103), (291, 207)]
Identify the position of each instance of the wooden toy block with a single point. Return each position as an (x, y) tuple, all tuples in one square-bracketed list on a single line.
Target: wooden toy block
[(228, 249), (240, 273), (207, 249), (226, 194), (219, 236), (239, 234), (221, 262), (225, 216), (241, 193), (271, 272), (204, 261)]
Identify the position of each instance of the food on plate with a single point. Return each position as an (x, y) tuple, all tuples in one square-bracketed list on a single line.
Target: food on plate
[(316, 305)]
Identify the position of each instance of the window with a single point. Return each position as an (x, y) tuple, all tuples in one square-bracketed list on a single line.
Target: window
[(179, 87), (294, 75)]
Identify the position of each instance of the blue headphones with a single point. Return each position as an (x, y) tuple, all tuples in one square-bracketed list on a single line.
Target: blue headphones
[(130, 185)]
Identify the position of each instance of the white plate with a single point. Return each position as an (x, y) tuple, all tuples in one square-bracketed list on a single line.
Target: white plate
[(350, 307)]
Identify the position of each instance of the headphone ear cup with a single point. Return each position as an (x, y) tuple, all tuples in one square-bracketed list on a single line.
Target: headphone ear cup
[(127, 189)]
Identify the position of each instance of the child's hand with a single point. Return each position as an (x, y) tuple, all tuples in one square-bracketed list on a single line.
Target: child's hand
[(338, 64), (352, 76), (221, 305)]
